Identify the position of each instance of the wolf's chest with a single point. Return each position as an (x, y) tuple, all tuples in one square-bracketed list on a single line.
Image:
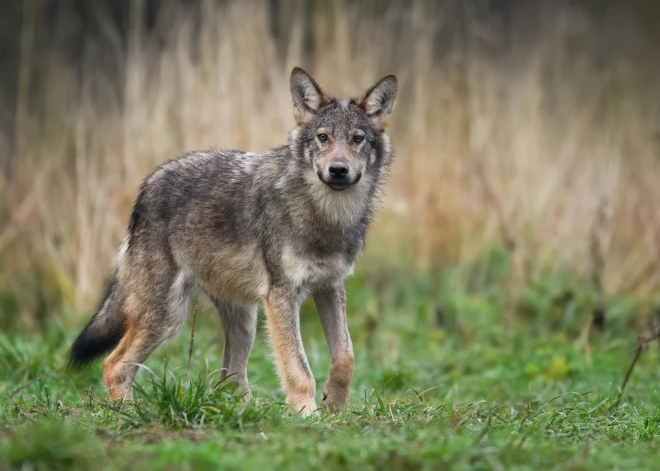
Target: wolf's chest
[(304, 269)]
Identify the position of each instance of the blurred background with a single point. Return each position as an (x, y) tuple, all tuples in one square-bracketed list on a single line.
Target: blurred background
[(527, 138)]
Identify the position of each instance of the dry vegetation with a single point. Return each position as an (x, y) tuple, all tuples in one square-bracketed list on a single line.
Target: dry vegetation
[(544, 138)]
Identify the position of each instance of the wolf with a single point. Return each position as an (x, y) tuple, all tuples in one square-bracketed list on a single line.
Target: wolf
[(246, 229)]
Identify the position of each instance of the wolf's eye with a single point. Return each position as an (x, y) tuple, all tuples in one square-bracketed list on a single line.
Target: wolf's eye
[(322, 137), (358, 138)]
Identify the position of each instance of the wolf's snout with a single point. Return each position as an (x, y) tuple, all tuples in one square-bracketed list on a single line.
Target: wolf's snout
[(339, 176), (338, 170)]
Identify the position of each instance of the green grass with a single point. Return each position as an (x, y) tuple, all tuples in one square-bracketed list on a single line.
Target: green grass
[(450, 374)]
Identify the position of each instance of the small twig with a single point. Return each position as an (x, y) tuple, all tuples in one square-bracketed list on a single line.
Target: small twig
[(192, 338), (35, 380), (642, 344), (223, 379)]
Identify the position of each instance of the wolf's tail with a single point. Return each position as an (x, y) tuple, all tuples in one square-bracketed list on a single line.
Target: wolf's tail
[(104, 331)]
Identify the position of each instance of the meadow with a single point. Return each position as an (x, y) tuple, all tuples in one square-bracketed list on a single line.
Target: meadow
[(506, 279), (435, 388)]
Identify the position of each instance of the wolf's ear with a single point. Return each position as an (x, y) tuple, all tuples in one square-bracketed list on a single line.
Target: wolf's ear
[(307, 96), (378, 102)]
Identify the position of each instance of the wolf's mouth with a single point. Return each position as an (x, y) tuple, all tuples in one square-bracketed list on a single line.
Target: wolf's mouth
[(338, 186)]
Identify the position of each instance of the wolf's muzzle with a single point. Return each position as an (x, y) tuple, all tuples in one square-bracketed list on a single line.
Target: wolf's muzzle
[(338, 176)]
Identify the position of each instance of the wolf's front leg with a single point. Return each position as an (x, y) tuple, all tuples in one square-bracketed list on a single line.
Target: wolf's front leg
[(282, 312), (331, 306)]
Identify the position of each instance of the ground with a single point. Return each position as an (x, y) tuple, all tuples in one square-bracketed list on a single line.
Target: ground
[(451, 373)]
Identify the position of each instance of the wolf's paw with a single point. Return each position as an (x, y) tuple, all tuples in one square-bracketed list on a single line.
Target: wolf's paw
[(246, 395), (335, 397), (303, 405), (239, 389)]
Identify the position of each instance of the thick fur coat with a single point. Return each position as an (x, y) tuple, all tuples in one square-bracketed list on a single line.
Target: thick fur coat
[(248, 229)]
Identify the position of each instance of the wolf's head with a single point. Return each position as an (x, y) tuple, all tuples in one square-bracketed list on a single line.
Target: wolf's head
[(342, 143)]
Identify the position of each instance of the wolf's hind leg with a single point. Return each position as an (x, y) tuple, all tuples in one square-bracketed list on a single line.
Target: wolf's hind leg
[(153, 318), (240, 326), (120, 368)]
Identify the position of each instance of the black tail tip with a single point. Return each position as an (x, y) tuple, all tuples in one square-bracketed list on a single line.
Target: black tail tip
[(87, 348)]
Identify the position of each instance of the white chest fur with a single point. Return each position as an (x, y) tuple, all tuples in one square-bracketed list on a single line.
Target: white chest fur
[(305, 270)]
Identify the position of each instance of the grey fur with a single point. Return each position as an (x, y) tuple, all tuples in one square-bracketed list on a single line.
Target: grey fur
[(247, 228)]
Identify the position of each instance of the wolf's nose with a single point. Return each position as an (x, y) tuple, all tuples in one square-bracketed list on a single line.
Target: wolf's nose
[(338, 170)]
